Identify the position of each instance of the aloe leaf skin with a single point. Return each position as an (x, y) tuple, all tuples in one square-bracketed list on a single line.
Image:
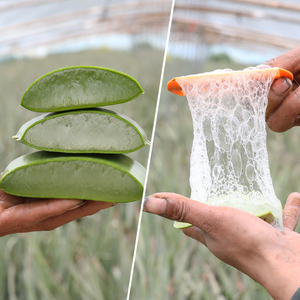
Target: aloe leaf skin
[(110, 178), (263, 212), (80, 87), (83, 131), (181, 225)]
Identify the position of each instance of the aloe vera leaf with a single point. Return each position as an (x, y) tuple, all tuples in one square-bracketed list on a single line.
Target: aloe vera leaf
[(100, 177), (83, 131), (264, 212), (79, 87), (182, 225)]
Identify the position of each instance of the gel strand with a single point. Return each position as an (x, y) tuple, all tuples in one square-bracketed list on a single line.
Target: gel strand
[(229, 160)]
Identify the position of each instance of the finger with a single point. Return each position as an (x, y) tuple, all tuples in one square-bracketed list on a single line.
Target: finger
[(195, 233), (289, 61), (179, 208), (297, 121), (286, 116), (7, 200), (296, 80), (87, 209), (31, 213), (171, 206), (291, 211), (279, 90)]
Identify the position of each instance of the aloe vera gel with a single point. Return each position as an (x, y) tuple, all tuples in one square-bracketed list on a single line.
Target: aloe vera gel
[(229, 159), (82, 146)]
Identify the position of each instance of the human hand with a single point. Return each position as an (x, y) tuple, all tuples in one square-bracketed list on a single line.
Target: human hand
[(251, 245), (283, 111), (19, 214)]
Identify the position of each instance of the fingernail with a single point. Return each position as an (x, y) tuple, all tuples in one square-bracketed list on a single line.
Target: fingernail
[(77, 204), (269, 62), (281, 85), (297, 121), (297, 92), (156, 206), (263, 66)]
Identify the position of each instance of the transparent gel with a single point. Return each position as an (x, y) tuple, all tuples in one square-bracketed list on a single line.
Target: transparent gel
[(229, 160)]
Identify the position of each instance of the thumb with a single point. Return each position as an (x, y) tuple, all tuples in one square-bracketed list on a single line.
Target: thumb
[(291, 211), (182, 209), (280, 88), (168, 205)]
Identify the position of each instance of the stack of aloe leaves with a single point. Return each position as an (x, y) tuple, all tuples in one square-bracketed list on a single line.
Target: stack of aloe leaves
[(81, 145)]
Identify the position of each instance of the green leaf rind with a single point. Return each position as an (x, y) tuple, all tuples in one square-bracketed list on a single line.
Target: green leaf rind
[(80, 87), (265, 212), (65, 186), (21, 134)]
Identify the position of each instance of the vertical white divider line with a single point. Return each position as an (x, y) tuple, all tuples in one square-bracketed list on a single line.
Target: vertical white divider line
[(150, 150)]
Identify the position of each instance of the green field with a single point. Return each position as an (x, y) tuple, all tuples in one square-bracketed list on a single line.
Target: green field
[(90, 258), (169, 265)]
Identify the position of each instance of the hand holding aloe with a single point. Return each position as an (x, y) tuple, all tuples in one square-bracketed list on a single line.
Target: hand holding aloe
[(240, 239), (270, 257), (283, 111), (81, 151)]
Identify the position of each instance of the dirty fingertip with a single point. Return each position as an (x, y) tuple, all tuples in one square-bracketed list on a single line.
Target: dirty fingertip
[(155, 205)]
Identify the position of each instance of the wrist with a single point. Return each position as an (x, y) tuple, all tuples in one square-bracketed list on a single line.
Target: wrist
[(281, 274)]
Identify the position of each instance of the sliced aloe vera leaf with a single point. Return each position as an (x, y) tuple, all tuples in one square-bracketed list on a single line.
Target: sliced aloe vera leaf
[(182, 225), (83, 131), (265, 212), (80, 87), (106, 177)]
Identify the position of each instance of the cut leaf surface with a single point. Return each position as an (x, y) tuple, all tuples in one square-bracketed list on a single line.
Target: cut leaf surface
[(111, 178), (83, 131), (80, 87)]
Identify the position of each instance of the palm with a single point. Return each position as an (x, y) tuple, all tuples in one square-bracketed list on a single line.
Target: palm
[(292, 237)]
